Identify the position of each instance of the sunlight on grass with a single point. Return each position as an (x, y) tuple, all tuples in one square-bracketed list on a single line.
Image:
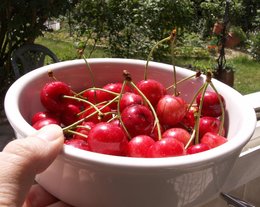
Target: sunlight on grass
[(247, 71)]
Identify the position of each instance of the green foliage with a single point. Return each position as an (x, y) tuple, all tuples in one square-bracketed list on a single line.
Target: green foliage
[(254, 42), (22, 21), (237, 31), (191, 45), (132, 27)]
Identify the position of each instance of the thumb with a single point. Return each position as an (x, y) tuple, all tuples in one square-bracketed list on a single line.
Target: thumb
[(22, 159)]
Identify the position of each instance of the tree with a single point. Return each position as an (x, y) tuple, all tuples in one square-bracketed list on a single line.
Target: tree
[(21, 21)]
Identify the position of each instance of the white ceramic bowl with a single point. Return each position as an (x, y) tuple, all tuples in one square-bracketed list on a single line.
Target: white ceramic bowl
[(88, 179)]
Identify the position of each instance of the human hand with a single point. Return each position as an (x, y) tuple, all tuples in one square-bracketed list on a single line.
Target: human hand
[(21, 160)]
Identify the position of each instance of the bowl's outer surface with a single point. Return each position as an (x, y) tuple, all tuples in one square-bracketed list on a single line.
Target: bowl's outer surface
[(83, 178)]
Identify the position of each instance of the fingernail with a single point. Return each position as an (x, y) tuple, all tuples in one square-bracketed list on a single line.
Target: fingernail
[(50, 132)]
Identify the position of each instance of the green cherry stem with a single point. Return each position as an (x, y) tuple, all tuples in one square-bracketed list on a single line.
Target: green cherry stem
[(151, 107), (151, 53), (205, 86), (99, 89), (118, 109), (77, 133), (90, 115), (173, 38), (182, 80), (83, 100), (92, 77), (192, 136), (222, 119)]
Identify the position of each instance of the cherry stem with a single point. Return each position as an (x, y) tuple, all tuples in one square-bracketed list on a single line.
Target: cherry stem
[(222, 119), (151, 53), (99, 89), (77, 133), (92, 77), (191, 137), (83, 100), (118, 105), (51, 75), (156, 120), (182, 80), (205, 86), (90, 115), (194, 98), (173, 38)]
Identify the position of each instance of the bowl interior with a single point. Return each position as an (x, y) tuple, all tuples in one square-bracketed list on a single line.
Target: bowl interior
[(22, 101)]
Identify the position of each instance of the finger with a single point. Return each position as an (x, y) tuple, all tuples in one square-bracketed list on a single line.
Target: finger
[(38, 197), (22, 159), (59, 204)]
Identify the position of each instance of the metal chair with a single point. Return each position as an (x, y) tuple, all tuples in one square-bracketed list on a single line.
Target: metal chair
[(31, 56)]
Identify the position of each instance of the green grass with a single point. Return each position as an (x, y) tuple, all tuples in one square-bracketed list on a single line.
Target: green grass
[(247, 75), (63, 46), (247, 71)]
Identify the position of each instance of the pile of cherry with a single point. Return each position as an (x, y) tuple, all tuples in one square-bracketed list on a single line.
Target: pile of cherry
[(134, 120)]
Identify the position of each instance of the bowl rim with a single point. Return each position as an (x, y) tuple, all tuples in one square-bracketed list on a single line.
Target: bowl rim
[(70, 153)]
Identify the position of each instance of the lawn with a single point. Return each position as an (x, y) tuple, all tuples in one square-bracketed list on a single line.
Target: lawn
[(247, 71)]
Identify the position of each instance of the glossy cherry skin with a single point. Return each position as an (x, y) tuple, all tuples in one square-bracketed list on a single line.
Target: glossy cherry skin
[(108, 138), (177, 133), (44, 122), (171, 110), (166, 147), (43, 115), (155, 134), (152, 89), (209, 124), (139, 146), (138, 120), (78, 143), (213, 140), (70, 114), (91, 96), (211, 105), (201, 147), (84, 129), (129, 99), (52, 95), (90, 114), (113, 87), (189, 119)]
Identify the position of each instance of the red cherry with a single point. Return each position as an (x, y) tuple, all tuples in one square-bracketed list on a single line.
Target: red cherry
[(52, 95), (44, 122), (177, 133), (91, 96), (201, 147), (166, 147), (209, 124), (152, 89), (43, 115), (171, 110), (70, 114), (84, 129), (154, 133), (129, 99), (189, 118), (211, 105), (213, 139), (113, 87), (78, 143), (96, 118), (116, 122), (139, 145), (107, 138), (138, 120)]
